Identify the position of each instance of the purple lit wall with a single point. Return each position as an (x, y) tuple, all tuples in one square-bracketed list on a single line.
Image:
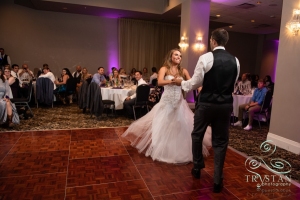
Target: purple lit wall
[(269, 59)]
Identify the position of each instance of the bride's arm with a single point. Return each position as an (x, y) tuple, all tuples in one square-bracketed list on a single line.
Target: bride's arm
[(186, 74), (160, 78)]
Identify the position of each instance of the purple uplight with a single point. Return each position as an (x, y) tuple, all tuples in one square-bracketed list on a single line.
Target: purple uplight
[(276, 44)]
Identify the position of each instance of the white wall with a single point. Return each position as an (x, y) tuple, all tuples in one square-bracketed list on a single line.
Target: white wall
[(284, 128)]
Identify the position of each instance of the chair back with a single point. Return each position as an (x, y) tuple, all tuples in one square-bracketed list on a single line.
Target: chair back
[(44, 91), (71, 86), (154, 82), (29, 91), (267, 101), (142, 94), (94, 99)]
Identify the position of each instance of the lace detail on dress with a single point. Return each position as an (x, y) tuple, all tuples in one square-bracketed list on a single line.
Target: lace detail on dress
[(172, 93)]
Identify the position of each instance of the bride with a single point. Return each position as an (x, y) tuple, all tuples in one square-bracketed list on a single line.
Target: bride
[(165, 132)]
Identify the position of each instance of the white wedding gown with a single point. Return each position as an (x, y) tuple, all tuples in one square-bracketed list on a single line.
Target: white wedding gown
[(165, 132)]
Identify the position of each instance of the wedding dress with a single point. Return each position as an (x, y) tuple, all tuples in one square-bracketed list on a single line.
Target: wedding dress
[(165, 132)]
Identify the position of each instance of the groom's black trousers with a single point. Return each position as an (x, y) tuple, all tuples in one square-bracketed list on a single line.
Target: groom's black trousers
[(218, 117)]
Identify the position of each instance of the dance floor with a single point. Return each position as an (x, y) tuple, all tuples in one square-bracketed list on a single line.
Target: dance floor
[(98, 164)]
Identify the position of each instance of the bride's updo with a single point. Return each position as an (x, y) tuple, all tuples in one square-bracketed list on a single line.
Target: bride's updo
[(168, 63)]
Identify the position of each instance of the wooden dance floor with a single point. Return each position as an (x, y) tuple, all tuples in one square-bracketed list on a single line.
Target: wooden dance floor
[(98, 164)]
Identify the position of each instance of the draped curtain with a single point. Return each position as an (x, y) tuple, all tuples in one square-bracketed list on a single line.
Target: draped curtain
[(145, 44)]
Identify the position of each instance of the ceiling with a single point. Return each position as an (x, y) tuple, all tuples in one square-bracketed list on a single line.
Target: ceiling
[(236, 13)]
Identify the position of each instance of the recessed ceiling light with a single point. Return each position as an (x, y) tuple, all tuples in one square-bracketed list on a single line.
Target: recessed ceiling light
[(84, 7), (272, 16), (65, 8), (259, 2), (230, 26), (218, 15), (252, 20)]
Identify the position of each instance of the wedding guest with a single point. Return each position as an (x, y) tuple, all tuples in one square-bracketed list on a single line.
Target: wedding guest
[(115, 77), (15, 70), (244, 86), (269, 83), (154, 75), (8, 112), (77, 74), (85, 75), (99, 77), (130, 100), (62, 85), (146, 76), (48, 74), (122, 74), (25, 75), (4, 59), (252, 107)]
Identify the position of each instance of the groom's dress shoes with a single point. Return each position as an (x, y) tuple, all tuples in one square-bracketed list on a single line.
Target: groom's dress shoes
[(196, 173), (218, 187)]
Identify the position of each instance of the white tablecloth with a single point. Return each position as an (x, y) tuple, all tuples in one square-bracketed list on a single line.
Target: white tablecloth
[(238, 100), (117, 95)]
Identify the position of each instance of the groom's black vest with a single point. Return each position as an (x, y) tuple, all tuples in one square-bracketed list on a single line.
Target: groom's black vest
[(218, 83)]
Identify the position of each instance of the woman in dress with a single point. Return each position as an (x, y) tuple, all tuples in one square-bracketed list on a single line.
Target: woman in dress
[(62, 85), (165, 132), (85, 76), (8, 111)]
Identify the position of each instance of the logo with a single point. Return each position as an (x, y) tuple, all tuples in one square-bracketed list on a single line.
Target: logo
[(280, 167)]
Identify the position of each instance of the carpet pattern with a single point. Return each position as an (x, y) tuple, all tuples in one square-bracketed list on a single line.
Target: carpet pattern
[(70, 116)]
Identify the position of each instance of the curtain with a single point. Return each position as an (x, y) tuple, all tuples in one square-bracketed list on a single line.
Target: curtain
[(145, 44)]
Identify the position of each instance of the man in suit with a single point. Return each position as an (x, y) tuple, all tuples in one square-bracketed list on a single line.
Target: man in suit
[(216, 72), (4, 59), (130, 100)]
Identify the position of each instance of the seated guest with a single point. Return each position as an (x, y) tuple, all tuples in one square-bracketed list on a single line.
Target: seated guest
[(85, 75), (254, 79), (132, 74), (62, 85), (252, 107), (112, 72), (8, 112), (130, 100), (146, 76), (77, 74), (244, 86), (15, 70), (115, 77), (13, 83), (25, 75), (122, 74), (269, 83), (99, 77), (48, 74), (154, 75)]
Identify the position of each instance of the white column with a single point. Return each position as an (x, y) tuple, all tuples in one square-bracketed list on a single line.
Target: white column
[(194, 23)]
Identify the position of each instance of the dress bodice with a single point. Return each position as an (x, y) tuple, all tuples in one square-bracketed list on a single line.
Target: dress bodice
[(172, 93)]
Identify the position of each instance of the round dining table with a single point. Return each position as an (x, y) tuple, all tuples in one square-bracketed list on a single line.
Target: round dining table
[(117, 95), (238, 100)]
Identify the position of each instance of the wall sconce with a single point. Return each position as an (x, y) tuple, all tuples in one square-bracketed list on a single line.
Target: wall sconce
[(294, 24), (199, 43), (183, 42)]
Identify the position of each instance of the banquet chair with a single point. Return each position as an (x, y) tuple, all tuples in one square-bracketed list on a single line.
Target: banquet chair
[(24, 102), (44, 92), (95, 103), (142, 95), (264, 113), (154, 82), (82, 95)]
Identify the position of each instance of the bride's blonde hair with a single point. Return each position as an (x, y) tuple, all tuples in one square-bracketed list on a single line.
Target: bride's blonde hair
[(168, 63)]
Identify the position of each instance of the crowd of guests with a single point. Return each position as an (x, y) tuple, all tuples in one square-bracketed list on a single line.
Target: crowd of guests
[(251, 84), (15, 80)]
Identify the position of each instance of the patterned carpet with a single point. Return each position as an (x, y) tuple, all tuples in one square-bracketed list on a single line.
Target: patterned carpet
[(70, 116)]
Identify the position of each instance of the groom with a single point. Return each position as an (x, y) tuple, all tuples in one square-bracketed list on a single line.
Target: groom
[(216, 72)]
